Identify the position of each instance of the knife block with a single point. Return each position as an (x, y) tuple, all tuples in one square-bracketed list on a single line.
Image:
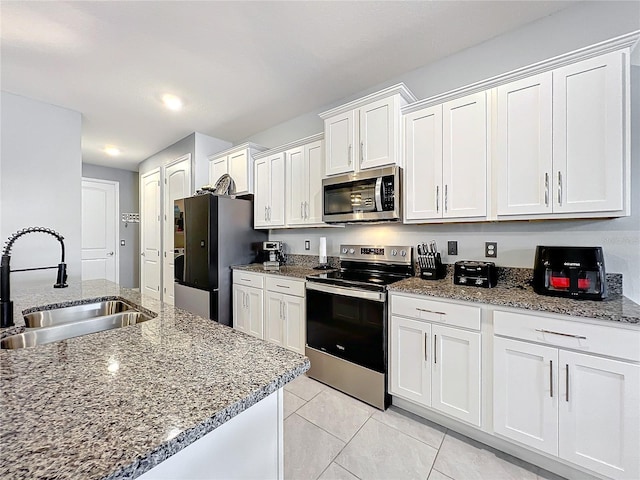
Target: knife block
[(431, 266)]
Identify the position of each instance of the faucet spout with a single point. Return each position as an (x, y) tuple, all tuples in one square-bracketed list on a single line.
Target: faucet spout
[(6, 305)]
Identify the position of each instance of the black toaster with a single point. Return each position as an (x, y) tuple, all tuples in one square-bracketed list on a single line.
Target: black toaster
[(477, 274)]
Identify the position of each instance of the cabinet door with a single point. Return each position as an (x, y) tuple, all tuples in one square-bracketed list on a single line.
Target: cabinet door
[(464, 152), (255, 315), (524, 153), (314, 155), (239, 168), (217, 168), (296, 186), (277, 181), (600, 414), (525, 393), (456, 373), (273, 318), (240, 308), (294, 332), (262, 193), (588, 135), (410, 352), (378, 130), (340, 138), (423, 167)]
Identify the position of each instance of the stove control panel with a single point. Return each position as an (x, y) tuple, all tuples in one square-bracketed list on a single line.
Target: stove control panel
[(377, 253)]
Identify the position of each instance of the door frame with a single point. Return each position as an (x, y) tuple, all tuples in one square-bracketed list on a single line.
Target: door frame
[(116, 215), (141, 177)]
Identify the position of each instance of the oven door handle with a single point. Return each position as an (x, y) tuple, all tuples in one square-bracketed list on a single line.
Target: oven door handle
[(348, 292)]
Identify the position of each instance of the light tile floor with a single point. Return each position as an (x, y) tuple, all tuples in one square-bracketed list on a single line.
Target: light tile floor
[(331, 436)]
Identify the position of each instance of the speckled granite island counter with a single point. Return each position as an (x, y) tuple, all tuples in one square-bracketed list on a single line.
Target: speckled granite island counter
[(294, 271), (513, 290), (117, 403)]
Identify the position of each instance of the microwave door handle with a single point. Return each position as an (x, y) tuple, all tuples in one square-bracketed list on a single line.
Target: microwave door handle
[(378, 194)]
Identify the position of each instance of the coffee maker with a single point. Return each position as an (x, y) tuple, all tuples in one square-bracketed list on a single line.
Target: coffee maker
[(272, 255)]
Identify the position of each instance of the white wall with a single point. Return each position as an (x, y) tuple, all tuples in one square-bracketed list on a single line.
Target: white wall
[(585, 24), (40, 185)]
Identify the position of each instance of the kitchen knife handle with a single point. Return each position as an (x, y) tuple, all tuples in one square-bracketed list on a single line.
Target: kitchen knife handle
[(437, 198), (559, 188), (546, 189)]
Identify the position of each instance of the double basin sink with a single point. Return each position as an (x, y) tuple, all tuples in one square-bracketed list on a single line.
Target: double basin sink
[(47, 326)]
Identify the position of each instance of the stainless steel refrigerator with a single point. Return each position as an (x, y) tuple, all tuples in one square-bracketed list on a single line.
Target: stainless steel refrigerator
[(211, 233)]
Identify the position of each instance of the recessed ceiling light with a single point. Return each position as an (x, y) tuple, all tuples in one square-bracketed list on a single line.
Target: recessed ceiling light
[(171, 101), (112, 151)]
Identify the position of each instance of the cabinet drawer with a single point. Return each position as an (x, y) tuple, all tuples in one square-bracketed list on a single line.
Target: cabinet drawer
[(434, 311), (241, 277), (285, 285), (585, 337)]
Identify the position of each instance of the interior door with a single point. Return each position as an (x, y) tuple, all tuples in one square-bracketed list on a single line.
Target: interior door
[(100, 235), (150, 235), (177, 184)]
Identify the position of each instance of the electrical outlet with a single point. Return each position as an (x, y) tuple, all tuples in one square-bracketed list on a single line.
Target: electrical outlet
[(491, 249), (307, 245), (452, 247), (122, 244)]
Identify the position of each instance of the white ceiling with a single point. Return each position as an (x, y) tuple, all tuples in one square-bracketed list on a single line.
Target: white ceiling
[(241, 67)]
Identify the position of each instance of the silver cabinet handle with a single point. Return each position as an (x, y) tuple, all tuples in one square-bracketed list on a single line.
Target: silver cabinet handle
[(306, 210), (282, 310), (349, 154), (567, 382), (142, 254), (301, 209), (361, 152), (425, 347), (580, 337), (435, 349), (546, 189), (282, 286), (446, 198), (269, 213), (265, 213), (551, 377), (111, 254), (559, 188), (430, 311), (437, 198)]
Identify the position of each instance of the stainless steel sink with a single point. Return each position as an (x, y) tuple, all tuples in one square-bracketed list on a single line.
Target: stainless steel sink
[(58, 316), (40, 336)]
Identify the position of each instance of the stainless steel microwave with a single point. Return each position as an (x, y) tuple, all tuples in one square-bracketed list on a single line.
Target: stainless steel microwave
[(367, 196)]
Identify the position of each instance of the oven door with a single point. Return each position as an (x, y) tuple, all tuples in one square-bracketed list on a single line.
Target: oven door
[(348, 323)]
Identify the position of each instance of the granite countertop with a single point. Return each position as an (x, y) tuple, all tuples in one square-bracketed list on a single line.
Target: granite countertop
[(517, 293), (115, 404), (295, 271)]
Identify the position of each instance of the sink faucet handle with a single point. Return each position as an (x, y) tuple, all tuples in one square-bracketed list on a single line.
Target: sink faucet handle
[(61, 281)]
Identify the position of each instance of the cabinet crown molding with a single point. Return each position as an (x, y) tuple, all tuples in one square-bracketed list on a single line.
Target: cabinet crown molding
[(236, 148), (398, 89), (618, 43), (289, 146)]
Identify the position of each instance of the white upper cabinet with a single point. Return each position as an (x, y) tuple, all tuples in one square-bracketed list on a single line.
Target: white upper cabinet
[(269, 191), (365, 133), (588, 135), (446, 160), (561, 141), (238, 163), (523, 146), (304, 170)]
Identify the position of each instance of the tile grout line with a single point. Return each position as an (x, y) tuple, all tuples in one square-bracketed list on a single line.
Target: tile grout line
[(433, 465)]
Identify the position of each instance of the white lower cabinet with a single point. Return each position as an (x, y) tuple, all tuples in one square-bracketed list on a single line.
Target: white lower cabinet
[(432, 364), (581, 407), (271, 308)]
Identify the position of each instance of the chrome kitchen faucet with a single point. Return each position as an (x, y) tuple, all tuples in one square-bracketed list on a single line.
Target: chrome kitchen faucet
[(6, 305)]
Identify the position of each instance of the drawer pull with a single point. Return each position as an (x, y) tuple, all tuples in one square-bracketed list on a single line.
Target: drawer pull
[(430, 311), (580, 337), (282, 286)]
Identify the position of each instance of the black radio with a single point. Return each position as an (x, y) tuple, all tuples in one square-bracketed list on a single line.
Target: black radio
[(477, 274)]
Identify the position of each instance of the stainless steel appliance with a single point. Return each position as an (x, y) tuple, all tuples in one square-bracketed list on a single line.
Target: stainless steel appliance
[(366, 196), (573, 272), (211, 233), (347, 320), (272, 254)]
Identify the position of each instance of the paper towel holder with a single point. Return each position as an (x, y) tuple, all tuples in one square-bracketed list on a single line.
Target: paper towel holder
[(322, 255)]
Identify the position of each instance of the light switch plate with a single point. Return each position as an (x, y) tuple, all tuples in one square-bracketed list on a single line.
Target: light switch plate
[(452, 247), (307, 245)]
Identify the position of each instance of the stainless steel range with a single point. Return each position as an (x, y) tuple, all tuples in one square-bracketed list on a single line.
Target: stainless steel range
[(347, 320)]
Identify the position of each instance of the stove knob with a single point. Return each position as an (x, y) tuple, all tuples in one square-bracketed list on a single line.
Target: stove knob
[(394, 252), (403, 253), (352, 251), (344, 250)]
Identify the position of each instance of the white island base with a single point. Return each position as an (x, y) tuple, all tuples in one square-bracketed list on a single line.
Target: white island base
[(250, 445)]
